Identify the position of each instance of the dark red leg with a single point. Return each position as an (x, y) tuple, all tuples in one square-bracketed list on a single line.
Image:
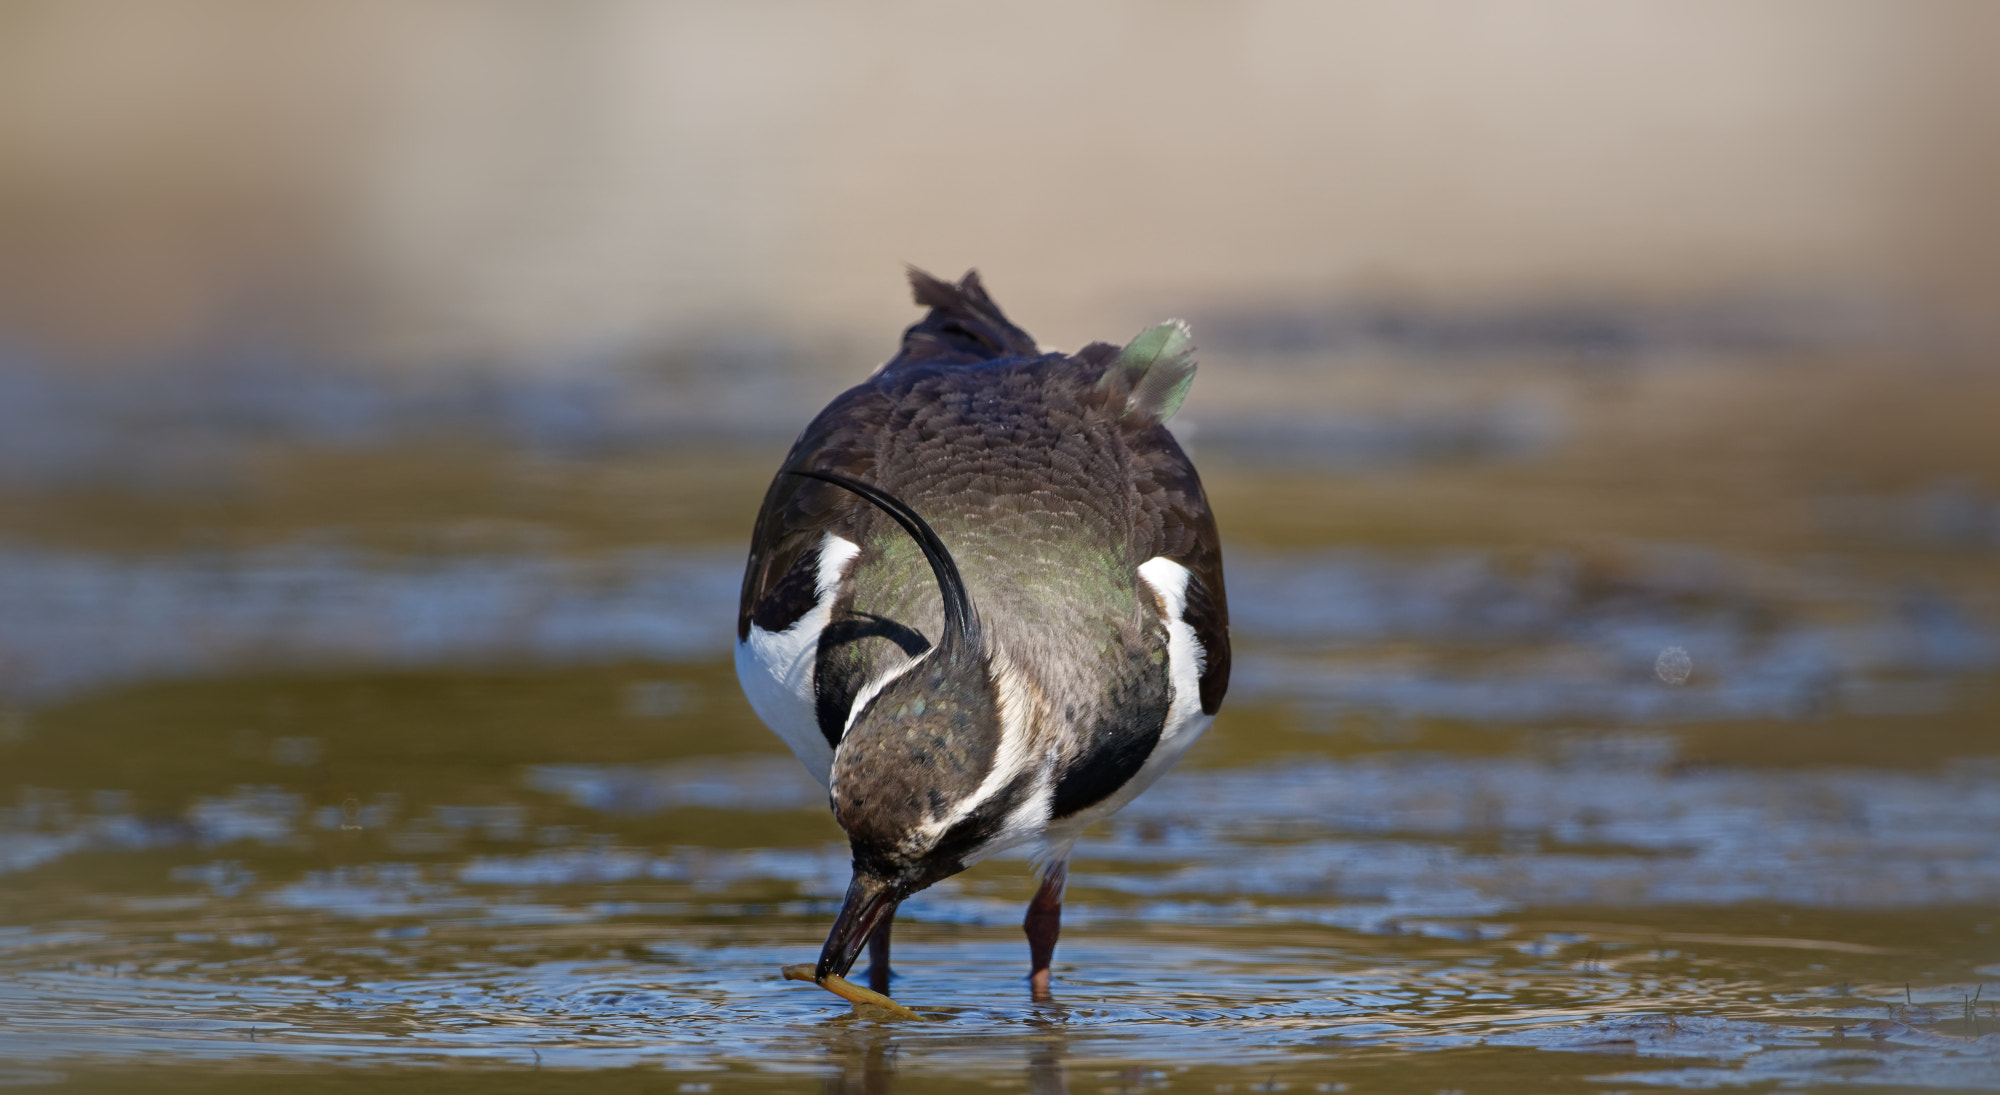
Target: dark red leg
[(1043, 924), (878, 956)]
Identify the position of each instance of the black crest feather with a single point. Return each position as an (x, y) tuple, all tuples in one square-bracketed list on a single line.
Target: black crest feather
[(961, 621)]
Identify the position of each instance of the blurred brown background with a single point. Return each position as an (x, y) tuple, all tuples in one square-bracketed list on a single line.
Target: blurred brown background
[(1597, 401), (523, 183)]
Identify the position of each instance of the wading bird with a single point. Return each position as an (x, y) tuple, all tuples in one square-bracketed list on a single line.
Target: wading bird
[(984, 605)]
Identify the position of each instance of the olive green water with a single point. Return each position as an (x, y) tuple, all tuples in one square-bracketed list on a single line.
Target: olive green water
[(1666, 754)]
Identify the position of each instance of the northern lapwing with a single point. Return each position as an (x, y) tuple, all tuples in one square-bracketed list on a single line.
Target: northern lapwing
[(984, 605)]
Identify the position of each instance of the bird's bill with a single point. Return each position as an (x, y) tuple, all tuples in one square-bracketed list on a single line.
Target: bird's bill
[(870, 901)]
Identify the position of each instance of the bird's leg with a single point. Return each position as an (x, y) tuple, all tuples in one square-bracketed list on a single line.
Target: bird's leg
[(1043, 924), (878, 956)]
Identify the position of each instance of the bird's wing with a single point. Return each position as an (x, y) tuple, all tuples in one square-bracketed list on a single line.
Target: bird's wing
[(1175, 524), (1158, 705), (1145, 382), (801, 555), (780, 581)]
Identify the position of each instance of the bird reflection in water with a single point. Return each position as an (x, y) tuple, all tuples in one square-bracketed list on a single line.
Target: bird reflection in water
[(862, 1060)]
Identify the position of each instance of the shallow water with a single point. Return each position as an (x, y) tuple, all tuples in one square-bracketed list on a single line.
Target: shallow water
[(1311, 920), (447, 783)]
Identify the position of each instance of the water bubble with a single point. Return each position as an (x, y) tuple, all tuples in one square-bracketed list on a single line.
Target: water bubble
[(1673, 665)]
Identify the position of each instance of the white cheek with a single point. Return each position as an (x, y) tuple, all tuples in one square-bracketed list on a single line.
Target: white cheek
[(872, 688)]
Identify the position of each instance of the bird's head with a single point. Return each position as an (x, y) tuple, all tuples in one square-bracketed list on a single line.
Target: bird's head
[(905, 786), (913, 781)]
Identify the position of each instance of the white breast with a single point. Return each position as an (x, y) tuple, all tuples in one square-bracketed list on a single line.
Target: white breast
[(776, 667)]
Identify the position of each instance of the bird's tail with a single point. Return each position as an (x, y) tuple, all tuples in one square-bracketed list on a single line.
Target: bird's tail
[(964, 326)]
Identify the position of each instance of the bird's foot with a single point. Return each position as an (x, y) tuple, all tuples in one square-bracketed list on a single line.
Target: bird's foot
[(1038, 986), (1044, 925)]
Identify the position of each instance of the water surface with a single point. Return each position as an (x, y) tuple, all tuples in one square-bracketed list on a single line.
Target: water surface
[(1610, 760)]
